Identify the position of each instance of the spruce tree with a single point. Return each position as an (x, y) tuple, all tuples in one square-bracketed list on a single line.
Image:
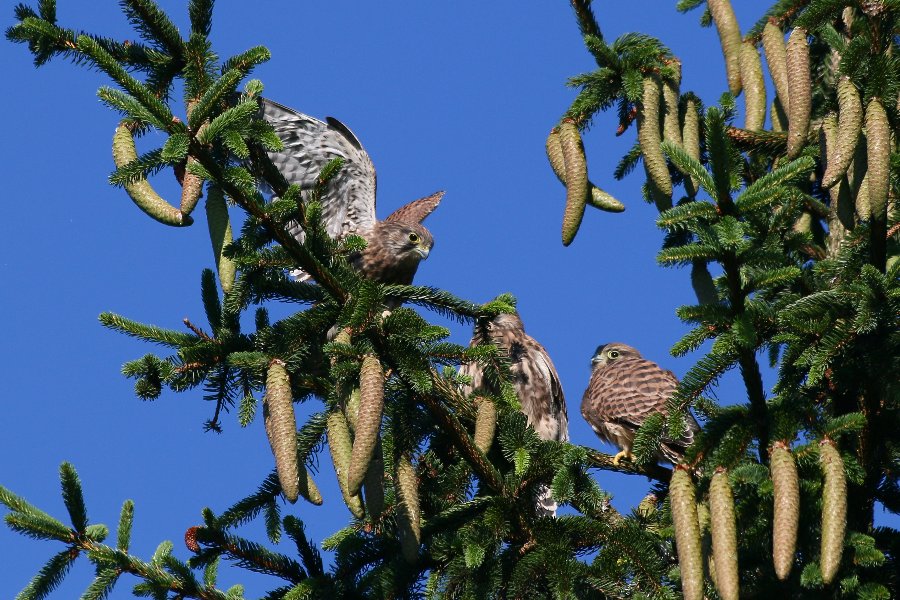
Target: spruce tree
[(790, 234)]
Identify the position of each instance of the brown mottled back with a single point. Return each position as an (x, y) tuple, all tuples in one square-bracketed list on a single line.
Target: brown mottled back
[(624, 390)]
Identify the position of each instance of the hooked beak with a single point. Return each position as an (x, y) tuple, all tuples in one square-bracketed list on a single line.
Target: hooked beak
[(422, 251)]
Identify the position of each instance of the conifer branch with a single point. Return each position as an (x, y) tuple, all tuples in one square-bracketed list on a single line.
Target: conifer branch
[(605, 461), (298, 252), (451, 425)]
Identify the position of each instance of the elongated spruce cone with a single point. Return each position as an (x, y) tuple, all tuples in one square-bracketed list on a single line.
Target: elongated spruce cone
[(408, 518), (140, 191), (776, 58), (649, 138), (309, 490), (786, 492), (485, 423), (191, 189), (730, 38), (368, 421), (834, 509), (799, 91), (724, 535), (281, 428), (687, 533), (878, 158), (340, 447), (850, 114), (576, 179), (220, 235), (754, 87), (670, 93), (690, 136), (596, 197)]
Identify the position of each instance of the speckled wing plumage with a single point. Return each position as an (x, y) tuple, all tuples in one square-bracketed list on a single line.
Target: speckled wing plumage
[(348, 205), (534, 377), (619, 398), (536, 383), (417, 210)]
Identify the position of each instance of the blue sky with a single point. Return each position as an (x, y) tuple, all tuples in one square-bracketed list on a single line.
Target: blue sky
[(454, 96)]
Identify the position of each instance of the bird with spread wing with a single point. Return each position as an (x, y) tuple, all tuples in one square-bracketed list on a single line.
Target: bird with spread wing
[(394, 246)]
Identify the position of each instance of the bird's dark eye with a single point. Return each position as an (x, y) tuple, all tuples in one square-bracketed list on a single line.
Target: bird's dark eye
[(613, 354), (414, 238)]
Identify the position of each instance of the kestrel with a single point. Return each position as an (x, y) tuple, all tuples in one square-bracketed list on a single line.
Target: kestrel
[(624, 390), (396, 245), (535, 381)]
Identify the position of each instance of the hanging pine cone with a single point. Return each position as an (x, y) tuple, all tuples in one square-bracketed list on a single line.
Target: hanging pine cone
[(787, 509), (687, 533)]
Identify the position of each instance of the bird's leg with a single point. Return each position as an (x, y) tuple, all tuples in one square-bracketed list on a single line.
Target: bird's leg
[(626, 454)]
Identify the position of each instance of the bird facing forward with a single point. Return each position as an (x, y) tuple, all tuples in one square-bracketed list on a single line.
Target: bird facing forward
[(624, 390), (394, 246)]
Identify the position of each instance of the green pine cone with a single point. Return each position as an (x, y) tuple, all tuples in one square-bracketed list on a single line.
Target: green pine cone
[(779, 115), (351, 408), (576, 180), (485, 423), (841, 209), (834, 509), (408, 517), (597, 197), (602, 200), (862, 202), (799, 91), (339, 445), (281, 428), (850, 114), (670, 93), (140, 191), (724, 535), (555, 155), (687, 533), (787, 509), (878, 158), (754, 87), (730, 38), (649, 138), (368, 421), (309, 490), (690, 135), (220, 235), (776, 57), (191, 189)]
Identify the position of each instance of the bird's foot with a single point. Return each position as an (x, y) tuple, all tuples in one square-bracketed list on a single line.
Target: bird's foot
[(626, 454)]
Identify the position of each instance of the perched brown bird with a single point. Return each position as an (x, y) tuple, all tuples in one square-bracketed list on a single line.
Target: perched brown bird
[(396, 245), (535, 380), (624, 390)]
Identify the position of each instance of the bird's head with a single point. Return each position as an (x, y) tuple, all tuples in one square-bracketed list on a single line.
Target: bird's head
[(498, 327), (409, 242), (607, 354)]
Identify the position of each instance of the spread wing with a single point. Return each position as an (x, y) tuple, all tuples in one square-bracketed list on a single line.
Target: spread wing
[(348, 205), (417, 210)]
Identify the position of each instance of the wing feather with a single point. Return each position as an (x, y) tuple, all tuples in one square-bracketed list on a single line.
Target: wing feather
[(417, 210), (557, 409), (348, 205)]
